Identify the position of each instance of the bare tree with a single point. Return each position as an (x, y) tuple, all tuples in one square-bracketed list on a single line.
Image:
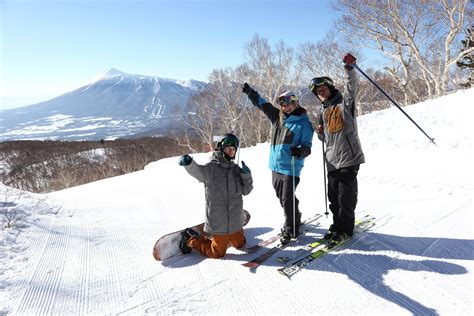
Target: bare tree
[(10, 213), (468, 61), (227, 92), (271, 70), (323, 58), (202, 115), (417, 36), (255, 126)]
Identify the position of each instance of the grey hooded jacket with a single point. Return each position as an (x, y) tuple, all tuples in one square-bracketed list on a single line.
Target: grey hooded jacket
[(224, 187), (343, 148)]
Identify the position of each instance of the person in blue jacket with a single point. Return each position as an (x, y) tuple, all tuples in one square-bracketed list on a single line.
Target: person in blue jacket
[(291, 141)]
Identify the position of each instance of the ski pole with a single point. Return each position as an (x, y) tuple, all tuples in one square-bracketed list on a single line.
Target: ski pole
[(325, 185), (395, 103), (294, 198), (238, 155)]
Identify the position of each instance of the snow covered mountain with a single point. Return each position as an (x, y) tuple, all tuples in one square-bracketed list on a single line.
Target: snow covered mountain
[(114, 104)]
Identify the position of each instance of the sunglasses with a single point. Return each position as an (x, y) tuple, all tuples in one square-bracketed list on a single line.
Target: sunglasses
[(318, 82), (286, 100)]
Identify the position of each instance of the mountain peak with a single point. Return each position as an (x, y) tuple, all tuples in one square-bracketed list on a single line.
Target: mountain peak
[(114, 72)]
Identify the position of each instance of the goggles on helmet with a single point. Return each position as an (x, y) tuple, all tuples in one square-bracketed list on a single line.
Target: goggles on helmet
[(320, 81), (286, 100), (230, 140)]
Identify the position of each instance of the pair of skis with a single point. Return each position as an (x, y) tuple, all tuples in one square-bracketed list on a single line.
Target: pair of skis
[(306, 254), (320, 248), (255, 263)]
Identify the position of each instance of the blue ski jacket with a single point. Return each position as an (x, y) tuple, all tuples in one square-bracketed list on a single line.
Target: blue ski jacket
[(287, 130)]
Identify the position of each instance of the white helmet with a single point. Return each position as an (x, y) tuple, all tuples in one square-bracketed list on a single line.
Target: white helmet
[(287, 97)]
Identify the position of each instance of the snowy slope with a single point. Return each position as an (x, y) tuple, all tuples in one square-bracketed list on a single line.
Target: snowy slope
[(94, 256)]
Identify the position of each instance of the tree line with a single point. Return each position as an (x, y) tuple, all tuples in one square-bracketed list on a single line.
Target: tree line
[(420, 42), (46, 166)]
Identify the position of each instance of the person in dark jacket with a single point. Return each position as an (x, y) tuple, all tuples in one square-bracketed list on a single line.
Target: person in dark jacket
[(291, 141), (338, 129), (225, 183)]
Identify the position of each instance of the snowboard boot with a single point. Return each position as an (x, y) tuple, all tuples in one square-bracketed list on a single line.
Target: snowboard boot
[(186, 234)]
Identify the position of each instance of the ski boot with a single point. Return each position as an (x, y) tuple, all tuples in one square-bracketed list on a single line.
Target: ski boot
[(338, 238), (287, 232), (330, 233)]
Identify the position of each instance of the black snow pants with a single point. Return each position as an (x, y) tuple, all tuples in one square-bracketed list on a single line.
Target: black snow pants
[(283, 185), (342, 195)]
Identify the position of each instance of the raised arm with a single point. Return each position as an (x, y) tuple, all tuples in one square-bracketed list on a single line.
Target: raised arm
[(352, 81), (266, 107), (195, 170)]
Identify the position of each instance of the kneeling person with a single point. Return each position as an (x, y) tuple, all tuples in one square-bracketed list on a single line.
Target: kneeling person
[(225, 183)]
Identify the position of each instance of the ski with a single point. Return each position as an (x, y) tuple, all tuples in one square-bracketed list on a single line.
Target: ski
[(360, 225), (296, 266), (256, 262), (276, 237)]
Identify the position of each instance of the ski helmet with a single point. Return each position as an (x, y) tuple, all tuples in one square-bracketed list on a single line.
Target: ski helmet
[(229, 139), (287, 97), (320, 81)]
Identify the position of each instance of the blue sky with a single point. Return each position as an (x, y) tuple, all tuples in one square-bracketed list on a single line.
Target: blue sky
[(51, 47)]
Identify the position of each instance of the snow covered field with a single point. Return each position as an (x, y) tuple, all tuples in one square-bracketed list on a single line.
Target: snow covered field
[(87, 249)]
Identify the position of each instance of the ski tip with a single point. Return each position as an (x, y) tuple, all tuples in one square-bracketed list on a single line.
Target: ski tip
[(283, 273), (156, 254), (251, 265)]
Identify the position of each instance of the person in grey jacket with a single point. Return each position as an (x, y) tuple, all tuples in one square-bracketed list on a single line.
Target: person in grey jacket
[(338, 129), (225, 183)]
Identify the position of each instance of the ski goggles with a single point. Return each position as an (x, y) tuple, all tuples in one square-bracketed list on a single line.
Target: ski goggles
[(286, 100), (320, 81)]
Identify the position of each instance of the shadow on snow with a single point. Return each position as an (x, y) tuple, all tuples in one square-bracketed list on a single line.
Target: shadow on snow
[(367, 266)]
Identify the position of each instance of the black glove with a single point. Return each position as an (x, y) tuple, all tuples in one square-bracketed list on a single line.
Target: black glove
[(349, 60), (244, 168), (251, 93), (185, 160), (295, 151)]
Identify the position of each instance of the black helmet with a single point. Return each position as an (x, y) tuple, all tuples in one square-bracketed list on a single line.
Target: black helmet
[(229, 139), (320, 81)]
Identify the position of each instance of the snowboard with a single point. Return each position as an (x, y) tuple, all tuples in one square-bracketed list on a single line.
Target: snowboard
[(168, 245)]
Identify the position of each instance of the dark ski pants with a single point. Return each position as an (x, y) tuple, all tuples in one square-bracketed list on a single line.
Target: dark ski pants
[(342, 195), (283, 185)]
